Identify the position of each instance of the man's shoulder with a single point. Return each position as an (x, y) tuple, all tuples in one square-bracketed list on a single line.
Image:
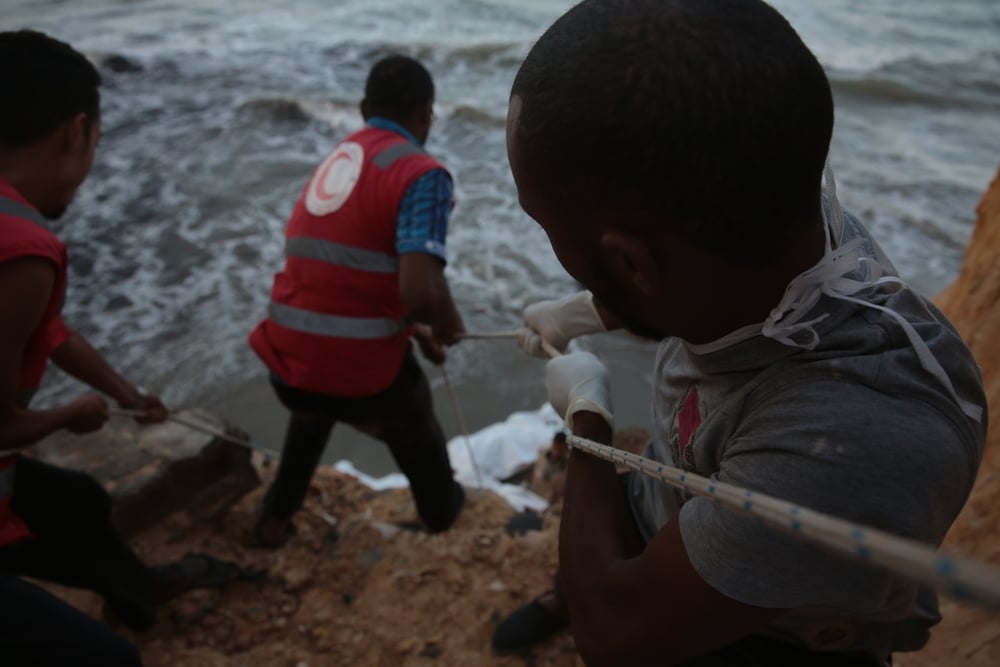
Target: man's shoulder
[(870, 358), (22, 236), (857, 425)]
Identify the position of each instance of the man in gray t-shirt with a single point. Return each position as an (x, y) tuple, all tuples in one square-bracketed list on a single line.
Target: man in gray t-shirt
[(674, 155), (854, 428)]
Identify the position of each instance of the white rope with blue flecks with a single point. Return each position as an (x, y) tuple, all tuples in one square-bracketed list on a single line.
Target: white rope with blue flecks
[(964, 579), (961, 578)]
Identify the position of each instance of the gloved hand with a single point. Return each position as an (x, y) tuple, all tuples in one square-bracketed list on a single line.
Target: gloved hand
[(579, 382), (558, 322)]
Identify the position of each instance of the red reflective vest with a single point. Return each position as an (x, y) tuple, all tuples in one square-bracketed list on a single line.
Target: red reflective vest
[(335, 322), (23, 234)]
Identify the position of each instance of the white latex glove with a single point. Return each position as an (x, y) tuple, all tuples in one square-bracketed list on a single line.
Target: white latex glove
[(579, 382), (558, 322)]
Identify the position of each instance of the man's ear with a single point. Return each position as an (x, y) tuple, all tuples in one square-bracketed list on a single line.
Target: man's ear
[(427, 115), (630, 261), (74, 134), (364, 109)]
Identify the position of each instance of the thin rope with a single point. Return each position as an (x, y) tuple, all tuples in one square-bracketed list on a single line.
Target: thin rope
[(550, 349), (489, 335), (509, 335), (461, 424), (963, 579), (209, 430)]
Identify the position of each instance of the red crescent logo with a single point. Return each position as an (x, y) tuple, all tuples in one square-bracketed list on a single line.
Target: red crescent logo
[(335, 178), (320, 190)]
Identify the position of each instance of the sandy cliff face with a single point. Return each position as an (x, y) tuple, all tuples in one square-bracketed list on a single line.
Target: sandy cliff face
[(968, 635)]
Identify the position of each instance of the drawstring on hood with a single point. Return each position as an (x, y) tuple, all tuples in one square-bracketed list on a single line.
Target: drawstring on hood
[(842, 273)]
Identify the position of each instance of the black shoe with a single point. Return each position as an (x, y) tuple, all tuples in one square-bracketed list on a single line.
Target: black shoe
[(522, 522), (195, 571), (525, 628), (271, 532), (437, 524), (440, 524)]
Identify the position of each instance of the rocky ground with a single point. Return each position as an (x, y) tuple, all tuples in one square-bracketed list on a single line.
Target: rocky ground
[(351, 588)]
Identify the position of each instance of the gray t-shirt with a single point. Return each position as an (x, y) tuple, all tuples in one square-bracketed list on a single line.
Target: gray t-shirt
[(855, 428)]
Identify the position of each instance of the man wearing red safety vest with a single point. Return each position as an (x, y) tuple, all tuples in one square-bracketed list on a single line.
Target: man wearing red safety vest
[(364, 270), (55, 524)]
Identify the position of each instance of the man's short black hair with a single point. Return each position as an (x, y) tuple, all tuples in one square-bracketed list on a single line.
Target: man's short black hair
[(398, 86), (43, 83), (711, 114)]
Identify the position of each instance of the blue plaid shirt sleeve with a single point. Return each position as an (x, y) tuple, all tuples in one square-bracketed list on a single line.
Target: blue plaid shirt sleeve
[(422, 224)]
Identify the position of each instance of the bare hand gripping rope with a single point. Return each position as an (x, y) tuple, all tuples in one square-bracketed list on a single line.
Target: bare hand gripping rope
[(964, 579)]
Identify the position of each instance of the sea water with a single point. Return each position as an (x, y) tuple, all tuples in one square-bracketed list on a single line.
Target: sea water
[(215, 114)]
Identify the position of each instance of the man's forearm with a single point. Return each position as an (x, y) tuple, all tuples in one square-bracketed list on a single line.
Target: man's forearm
[(438, 309), (426, 296), (23, 428), (78, 358), (596, 542), (596, 524)]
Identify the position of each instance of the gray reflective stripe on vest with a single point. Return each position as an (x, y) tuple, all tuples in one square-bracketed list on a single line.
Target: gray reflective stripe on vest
[(341, 255), (7, 481), (338, 326), (394, 152), (9, 206)]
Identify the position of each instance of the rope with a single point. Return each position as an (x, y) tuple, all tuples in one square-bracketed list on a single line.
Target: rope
[(550, 350), (511, 335), (461, 424), (489, 335), (964, 579), (222, 435)]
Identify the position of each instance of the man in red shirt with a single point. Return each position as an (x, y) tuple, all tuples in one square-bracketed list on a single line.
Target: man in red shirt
[(55, 524), (364, 269)]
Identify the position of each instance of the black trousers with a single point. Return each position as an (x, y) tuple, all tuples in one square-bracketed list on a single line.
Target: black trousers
[(758, 651), (74, 544), (402, 417)]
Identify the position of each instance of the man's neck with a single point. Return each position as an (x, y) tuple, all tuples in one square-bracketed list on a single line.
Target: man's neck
[(395, 126), (21, 176), (749, 295)]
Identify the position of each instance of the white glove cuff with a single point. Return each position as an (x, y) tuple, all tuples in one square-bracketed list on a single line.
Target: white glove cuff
[(581, 404)]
